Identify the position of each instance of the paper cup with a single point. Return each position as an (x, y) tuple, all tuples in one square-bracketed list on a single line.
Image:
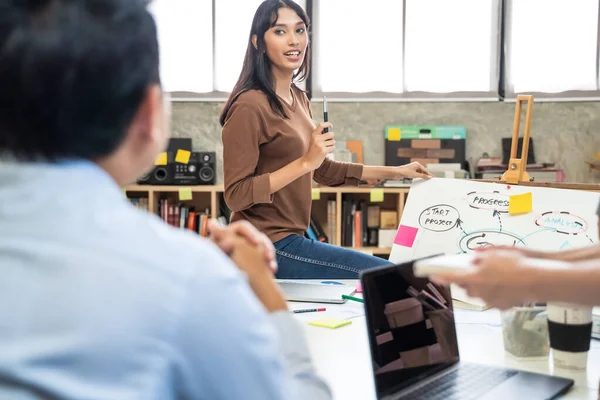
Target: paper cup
[(570, 334)]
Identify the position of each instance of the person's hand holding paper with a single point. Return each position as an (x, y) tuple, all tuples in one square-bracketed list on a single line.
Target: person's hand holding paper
[(500, 278)]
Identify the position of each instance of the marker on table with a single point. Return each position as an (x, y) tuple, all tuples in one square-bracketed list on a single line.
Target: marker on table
[(310, 310), (352, 298), (325, 116)]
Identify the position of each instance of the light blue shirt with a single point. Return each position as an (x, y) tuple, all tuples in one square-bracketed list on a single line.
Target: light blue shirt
[(99, 300)]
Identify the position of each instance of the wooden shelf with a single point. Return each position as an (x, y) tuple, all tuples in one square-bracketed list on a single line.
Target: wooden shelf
[(210, 196), (375, 250), (155, 188)]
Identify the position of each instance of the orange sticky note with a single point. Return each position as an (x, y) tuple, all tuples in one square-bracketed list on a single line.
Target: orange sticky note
[(183, 156), (376, 195), (185, 194), (316, 194), (161, 159), (394, 134), (520, 203)]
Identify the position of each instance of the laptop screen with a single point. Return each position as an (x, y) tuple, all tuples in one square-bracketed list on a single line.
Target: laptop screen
[(411, 326)]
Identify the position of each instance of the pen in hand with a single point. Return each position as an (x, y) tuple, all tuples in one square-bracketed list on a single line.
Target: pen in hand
[(325, 116)]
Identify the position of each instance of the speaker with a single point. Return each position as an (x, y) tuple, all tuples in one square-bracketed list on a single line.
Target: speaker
[(200, 170), (159, 175), (206, 167)]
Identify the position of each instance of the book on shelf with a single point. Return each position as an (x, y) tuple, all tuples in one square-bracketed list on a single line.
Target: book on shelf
[(360, 223), (183, 216)]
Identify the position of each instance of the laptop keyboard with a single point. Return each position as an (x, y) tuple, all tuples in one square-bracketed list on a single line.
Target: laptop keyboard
[(464, 383)]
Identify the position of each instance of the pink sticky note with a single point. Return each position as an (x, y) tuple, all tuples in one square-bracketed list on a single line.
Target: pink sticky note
[(406, 236), (358, 288)]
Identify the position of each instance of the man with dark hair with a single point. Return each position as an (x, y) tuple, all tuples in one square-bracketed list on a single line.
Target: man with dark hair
[(99, 300)]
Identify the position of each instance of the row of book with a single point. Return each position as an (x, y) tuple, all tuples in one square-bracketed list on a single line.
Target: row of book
[(360, 223), (183, 216)]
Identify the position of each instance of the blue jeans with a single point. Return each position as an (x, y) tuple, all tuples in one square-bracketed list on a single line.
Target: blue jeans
[(302, 258)]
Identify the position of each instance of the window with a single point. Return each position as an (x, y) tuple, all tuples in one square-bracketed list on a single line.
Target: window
[(452, 46), (406, 48), (357, 46), (552, 47), (231, 39), (185, 40)]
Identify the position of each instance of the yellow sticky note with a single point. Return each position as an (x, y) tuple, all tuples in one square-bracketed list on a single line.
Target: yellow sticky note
[(183, 156), (125, 192), (161, 159), (185, 194), (394, 134), (316, 194), (331, 323), (376, 195), (520, 203)]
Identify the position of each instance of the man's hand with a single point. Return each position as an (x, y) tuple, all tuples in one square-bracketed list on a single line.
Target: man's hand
[(501, 278), (226, 238), (250, 259)]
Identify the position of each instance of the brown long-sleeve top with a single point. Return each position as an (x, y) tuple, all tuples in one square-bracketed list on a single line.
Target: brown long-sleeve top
[(257, 142)]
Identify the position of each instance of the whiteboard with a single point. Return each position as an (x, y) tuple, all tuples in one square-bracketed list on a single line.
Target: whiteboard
[(454, 216)]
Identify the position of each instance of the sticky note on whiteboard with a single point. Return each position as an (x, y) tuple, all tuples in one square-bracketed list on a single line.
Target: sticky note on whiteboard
[(520, 203), (406, 236)]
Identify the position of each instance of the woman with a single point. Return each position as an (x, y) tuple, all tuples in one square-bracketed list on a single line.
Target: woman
[(272, 149)]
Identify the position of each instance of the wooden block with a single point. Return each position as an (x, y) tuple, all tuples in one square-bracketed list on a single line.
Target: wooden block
[(426, 144)]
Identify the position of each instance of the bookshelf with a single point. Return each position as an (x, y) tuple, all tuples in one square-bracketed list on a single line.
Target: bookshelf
[(210, 198)]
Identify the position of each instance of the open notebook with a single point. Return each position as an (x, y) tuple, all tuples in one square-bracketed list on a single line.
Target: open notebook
[(315, 292)]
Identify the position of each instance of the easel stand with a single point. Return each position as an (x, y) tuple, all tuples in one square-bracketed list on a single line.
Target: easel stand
[(516, 174), (517, 167)]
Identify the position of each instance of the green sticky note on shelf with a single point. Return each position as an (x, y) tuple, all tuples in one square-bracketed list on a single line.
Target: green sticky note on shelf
[(185, 194), (376, 195), (316, 194), (520, 203), (331, 323), (394, 134)]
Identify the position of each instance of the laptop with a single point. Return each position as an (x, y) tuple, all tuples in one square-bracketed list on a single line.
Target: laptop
[(414, 348), (314, 292)]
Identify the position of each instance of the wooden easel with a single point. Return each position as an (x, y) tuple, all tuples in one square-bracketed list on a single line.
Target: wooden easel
[(516, 174), (517, 167)]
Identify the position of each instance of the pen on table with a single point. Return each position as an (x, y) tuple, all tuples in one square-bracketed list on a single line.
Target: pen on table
[(310, 310), (346, 297), (325, 116)]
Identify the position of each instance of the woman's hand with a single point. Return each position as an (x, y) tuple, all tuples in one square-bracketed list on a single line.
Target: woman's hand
[(321, 144), (413, 170)]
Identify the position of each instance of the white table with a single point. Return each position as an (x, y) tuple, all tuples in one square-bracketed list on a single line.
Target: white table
[(342, 355)]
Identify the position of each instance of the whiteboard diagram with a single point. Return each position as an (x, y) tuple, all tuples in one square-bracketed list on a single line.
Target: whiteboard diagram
[(459, 216)]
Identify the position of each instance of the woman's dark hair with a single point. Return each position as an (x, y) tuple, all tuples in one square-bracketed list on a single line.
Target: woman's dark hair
[(256, 71), (73, 75)]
